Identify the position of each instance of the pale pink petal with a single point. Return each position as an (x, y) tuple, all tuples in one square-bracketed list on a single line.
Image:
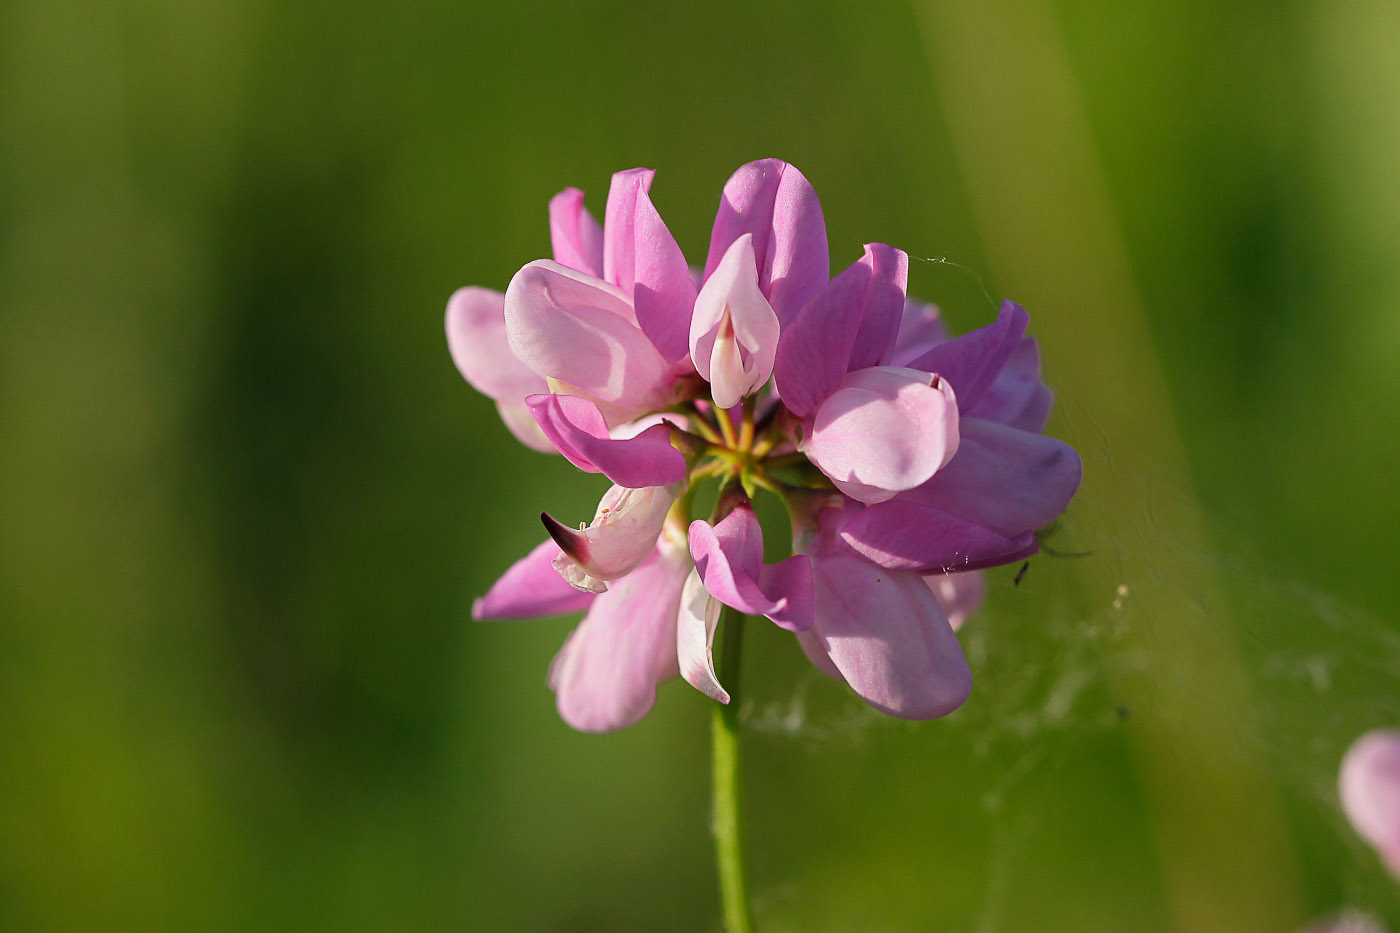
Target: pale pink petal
[(476, 338), (607, 672), (517, 417), (1017, 398), (695, 638), (849, 324), (530, 588), (773, 201), (907, 536), (623, 533), (1005, 479), (579, 330), (972, 361), (577, 429), (729, 559), (734, 332), (884, 632), (576, 237), (619, 236), (958, 594), (885, 430), (1369, 785)]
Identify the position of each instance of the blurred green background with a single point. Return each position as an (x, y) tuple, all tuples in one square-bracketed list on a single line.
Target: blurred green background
[(246, 500)]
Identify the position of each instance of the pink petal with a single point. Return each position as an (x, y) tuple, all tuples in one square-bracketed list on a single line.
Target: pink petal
[(884, 632), (972, 361), (1008, 480), (574, 234), (641, 257), (521, 423), (811, 645), (849, 324), (903, 535), (695, 638), (1017, 397), (920, 330), (1370, 790), (664, 293), (619, 236), (958, 594), (476, 337), (884, 431), (884, 306), (579, 330), (531, 587), (577, 429), (729, 559), (623, 533), (772, 201), (607, 672), (734, 332)]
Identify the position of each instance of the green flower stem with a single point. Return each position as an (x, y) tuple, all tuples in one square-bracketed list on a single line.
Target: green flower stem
[(728, 815)]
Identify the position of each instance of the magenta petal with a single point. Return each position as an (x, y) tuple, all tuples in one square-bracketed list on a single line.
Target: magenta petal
[(1008, 480), (476, 337), (972, 361), (850, 324), (773, 201), (619, 233), (695, 638), (577, 429), (884, 632), (903, 535), (574, 234), (1370, 790), (729, 559), (1017, 397), (884, 431), (579, 330), (607, 672), (531, 587)]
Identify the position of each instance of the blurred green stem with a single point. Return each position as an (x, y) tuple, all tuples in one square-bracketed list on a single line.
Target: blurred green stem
[(727, 815)]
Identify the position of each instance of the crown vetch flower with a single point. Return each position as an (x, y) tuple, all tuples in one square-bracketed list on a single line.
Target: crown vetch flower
[(907, 459)]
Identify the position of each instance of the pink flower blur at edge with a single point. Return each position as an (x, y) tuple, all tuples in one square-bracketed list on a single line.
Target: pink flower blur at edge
[(908, 460), (1369, 786)]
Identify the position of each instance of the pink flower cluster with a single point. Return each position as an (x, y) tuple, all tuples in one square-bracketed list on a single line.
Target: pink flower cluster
[(907, 460)]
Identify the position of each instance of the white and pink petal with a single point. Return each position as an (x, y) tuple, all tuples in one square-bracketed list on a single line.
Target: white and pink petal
[(772, 201), (624, 531)]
